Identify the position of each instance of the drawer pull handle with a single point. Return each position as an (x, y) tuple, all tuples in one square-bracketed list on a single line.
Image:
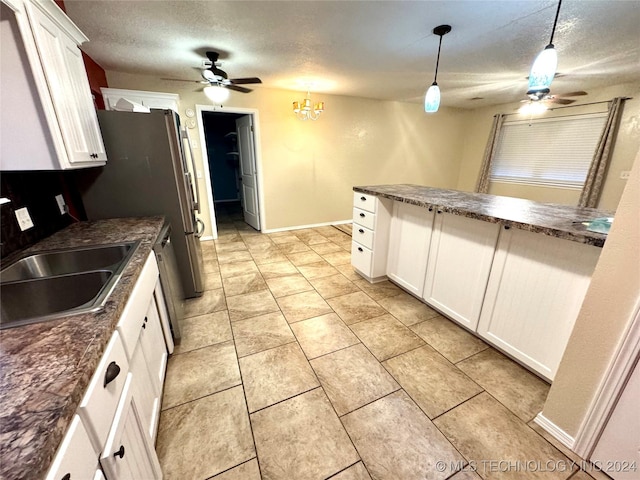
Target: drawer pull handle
[(364, 199), (112, 372), (362, 215), (360, 249), (120, 452), (361, 230), (67, 476)]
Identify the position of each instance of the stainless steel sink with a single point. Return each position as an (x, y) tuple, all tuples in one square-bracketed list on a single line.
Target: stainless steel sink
[(49, 285)]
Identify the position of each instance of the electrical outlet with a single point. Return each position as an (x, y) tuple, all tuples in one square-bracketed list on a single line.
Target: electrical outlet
[(24, 219), (199, 174), (62, 206), (624, 175)]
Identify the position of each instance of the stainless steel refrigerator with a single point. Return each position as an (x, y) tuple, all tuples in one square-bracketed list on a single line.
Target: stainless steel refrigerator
[(147, 174)]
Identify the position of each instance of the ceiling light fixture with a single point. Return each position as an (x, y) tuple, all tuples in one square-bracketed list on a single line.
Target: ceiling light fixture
[(544, 66), (305, 111), (216, 93), (533, 108), (432, 98)]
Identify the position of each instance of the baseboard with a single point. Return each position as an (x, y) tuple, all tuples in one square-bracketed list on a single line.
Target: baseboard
[(300, 227), (227, 201), (555, 431), (207, 238)]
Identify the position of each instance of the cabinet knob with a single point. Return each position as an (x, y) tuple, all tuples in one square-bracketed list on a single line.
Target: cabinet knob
[(113, 370), (361, 230), (507, 227), (439, 211), (120, 452), (67, 476), (362, 215), (144, 325), (431, 209), (364, 199), (360, 249)]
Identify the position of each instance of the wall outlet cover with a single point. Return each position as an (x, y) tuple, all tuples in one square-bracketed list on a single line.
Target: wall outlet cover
[(24, 219), (62, 206), (624, 175)]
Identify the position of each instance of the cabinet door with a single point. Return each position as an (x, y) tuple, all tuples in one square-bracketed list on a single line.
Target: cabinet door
[(460, 259), (70, 92), (409, 239), (153, 346), (127, 453), (534, 294), (145, 394), (76, 457)]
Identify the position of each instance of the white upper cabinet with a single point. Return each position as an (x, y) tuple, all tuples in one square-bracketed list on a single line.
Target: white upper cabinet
[(165, 101), (60, 110)]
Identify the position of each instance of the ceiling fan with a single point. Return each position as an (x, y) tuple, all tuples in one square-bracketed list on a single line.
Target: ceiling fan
[(212, 75), (558, 99)]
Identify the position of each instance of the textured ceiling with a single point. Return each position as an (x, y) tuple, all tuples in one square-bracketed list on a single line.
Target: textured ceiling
[(373, 49)]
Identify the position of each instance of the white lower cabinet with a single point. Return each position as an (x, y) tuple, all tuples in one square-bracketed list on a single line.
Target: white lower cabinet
[(533, 297), (409, 240), (76, 457), (371, 216), (460, 257)]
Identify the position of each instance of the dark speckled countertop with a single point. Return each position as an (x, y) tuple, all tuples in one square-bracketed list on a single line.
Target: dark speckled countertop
[(45, 368), (547, 218)]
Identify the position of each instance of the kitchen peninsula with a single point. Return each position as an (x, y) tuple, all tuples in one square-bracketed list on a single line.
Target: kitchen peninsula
[(511, 270)]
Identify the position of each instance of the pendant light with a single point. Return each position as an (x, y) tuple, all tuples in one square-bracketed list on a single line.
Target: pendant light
[(432, 98), (544, 66)]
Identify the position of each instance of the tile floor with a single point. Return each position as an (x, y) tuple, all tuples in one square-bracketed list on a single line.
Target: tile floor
[(293, 367)]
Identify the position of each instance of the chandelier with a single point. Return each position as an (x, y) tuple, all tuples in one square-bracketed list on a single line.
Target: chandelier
[(305, 110)]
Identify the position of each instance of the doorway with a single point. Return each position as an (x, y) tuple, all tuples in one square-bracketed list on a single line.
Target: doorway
[(231, 165)]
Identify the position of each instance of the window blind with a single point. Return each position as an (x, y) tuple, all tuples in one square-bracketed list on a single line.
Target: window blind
[(553, 151)]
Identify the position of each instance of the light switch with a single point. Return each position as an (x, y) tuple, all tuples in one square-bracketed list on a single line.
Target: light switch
[(24, 219)]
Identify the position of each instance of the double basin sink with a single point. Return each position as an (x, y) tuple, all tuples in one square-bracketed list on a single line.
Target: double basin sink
[(48, 285)]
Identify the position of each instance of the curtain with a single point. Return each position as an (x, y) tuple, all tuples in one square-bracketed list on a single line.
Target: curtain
[(492, 144), (598, 169)]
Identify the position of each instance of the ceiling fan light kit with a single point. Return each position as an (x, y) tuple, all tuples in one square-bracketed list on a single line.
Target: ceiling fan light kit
[(544, 66), (432, 97), (305, 110), (216, 93)]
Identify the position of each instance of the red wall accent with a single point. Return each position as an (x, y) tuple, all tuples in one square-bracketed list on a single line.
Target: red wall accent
[(95, 73)]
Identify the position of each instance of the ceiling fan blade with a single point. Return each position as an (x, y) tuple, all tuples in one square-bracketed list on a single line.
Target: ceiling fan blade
[(244, 81), (561, 101), (183, 80), (238, 89), (579, 93)]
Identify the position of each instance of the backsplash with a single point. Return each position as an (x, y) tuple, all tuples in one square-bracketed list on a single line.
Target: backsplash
[(36, 191)]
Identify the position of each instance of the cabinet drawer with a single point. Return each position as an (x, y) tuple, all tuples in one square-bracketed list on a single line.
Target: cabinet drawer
[(363, 236), (361, 258), (365, 202), (76, 457), (364, 218), (99, 404)]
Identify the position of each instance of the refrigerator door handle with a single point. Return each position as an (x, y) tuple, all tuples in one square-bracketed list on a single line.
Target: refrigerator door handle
[(185, 134), (200, 229)]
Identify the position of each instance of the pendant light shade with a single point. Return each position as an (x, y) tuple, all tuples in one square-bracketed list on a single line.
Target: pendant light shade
[(216, 93), (432, 97), (544, 66)]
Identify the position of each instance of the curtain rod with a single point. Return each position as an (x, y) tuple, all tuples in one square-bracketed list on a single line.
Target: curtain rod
[(572, 106)]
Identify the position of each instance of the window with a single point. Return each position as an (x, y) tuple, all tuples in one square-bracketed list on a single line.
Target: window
[(553, 152)]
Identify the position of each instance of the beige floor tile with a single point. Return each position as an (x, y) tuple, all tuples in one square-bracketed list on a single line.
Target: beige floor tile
[(263, 249), (251, 305), (251, 282), (409, 310), (278, 269), (334, 286), (466, 475), (349, 272), (210, 301), (209, 254), (204, 330), (293, 247), (260, 333), (247, 471), (317, 270), (198, 373), (212, 281), (269, 256), (352, 377), (301, 438), (301, 306), (338, 258), (227, 238), (378, 290), (582, 475), (235, 256), (210, 266), (397, 441), (386, 337), (356, 472), (324, 334), (314, 239), (203, 438), (452, 341), (483, 430), (516, 388), (434, 383), (326, 247), (282, 286), (286, 237), (304, 258), (238, 268), (275, 375), (230, 247), (355, 307)]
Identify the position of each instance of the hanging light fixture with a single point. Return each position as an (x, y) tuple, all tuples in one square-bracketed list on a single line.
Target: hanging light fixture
[(216, 93), (544, 67), (305, 110), (432, 98)]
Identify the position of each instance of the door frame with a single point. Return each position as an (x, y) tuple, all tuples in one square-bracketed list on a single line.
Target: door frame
[(205, 160)]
